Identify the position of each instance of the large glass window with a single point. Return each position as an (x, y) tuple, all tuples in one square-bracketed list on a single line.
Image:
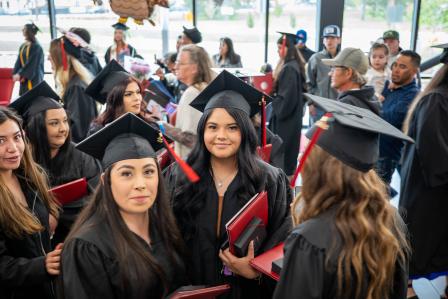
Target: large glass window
[(243, 21), (366, 20)]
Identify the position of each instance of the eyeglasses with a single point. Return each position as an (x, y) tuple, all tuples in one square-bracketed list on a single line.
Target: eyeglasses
[(333, 68), (182, 63)]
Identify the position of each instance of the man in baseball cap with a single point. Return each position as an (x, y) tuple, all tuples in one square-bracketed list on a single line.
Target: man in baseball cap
[(301, 45), (191, 36), (347, 70), (392, 39)]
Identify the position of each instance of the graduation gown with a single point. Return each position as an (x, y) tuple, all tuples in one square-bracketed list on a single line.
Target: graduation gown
[(90, 267), (310, 263), (22, 261), (129, 52), (80, 107), (424, 185), (204, 265), (287, 112), (29, 65), (79, 165)]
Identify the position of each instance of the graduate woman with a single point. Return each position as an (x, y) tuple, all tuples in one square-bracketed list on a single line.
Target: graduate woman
[(349, 241), (47, 128), (125, 243), (117, 89), (120, 48), (231, 173), (27, 264), (29, 66)]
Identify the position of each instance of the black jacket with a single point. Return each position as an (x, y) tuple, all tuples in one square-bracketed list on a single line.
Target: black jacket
[(22, 261), (363, 98), (204, 265)]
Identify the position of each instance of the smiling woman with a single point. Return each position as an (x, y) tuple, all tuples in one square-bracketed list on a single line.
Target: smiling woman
[(125, 243)]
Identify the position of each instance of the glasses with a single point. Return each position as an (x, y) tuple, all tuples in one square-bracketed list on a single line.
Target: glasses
[(333, 68), (182, 63)]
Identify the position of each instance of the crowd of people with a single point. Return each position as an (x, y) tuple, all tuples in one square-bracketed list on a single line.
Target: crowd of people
[(142, 230)]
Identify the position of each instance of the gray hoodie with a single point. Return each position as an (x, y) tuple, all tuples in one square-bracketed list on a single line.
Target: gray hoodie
[(318, 80)]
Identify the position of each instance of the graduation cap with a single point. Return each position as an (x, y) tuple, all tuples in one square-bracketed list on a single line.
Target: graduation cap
[(120, 26), (105, 81), (229, 91), (194, 34), (349, 133), (72, 44), (444, 55), (128, 137), (32, 27), (288, 35), (41, 98)]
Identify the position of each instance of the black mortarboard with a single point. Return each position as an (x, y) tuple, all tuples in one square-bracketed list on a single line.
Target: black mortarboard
[(444, 55), (194, 34), (128, 137), (33, 27), (120, 26), (291, 36), (228, 91), (353, 136), (40, 98), (105, 81)]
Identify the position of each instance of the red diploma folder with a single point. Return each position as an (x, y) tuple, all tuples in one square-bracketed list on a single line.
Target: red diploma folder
[(263, 83), (257, 206), (70, 191), (164, 159), (265, 152), (200, 292), (263, 262)]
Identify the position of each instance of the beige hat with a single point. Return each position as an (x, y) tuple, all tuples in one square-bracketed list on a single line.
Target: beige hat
[(352, 58)]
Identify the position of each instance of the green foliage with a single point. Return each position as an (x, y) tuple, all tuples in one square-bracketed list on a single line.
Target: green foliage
[(278, 9), (250, 21), (434, 13), (292, 21)]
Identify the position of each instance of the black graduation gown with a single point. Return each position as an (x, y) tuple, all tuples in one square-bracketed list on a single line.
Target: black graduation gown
[(79, 165), (80, 107), (277, 151), (287, 112), (204, 265), (90, 61), (305, 274), (90, 267), (22, 261), (132, 53), (29, 65), (424, 184)]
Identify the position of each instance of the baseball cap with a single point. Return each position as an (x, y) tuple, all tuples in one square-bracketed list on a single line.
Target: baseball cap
[(301, 36), (331, 30), (352, 58), (391, 34)]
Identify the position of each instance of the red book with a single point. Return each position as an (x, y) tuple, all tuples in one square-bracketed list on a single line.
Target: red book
[(164, 159), (263, 262), (265, 152), (70, 191), (256, 207), (263, 83), (199, 292)]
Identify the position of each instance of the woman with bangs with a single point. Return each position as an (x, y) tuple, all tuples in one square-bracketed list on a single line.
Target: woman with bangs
[(125, 243), (349, 241), (72, 79), (27, 210), (231, 174), (119, 90)]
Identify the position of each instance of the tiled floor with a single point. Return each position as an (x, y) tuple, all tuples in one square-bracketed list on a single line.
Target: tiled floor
[(424, 288)]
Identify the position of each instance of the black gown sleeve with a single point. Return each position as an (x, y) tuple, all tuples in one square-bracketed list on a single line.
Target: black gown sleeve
[(91, 171), (18, 64), (280, 222), (107, 56), (288, 93), (87, 272), (29, 70), (431, 139), (303, 271), (20, 271)]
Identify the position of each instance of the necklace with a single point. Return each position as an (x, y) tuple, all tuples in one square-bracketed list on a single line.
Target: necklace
[(220, 182)]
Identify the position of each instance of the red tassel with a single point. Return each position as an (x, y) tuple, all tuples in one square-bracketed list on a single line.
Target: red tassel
[(189, 172), (283, 48), (307, 152), (64, 56), (263, 122)]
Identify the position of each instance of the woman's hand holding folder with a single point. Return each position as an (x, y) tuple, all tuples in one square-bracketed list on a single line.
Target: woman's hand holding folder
[(240, 266)]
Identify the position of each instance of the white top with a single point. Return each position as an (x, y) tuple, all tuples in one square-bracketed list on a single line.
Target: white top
[(377, 79)]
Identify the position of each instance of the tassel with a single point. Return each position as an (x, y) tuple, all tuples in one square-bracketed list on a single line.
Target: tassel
[(188, 171), (263, 122), (64, 56), (321, 125)]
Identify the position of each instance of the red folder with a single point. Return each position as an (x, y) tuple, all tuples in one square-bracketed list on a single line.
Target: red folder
[(265, 152), (70, 191), (263, 262), (164, 159), (199, 292), (257, 206), (263, 83)]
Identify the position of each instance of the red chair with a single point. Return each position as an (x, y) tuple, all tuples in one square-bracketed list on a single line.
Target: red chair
[(6, 86)]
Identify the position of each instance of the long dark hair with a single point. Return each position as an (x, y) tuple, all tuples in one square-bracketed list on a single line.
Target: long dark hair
[(188, 199), (292, 54), (115, 106), (233, 57), (36, 132), (134, 259)]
